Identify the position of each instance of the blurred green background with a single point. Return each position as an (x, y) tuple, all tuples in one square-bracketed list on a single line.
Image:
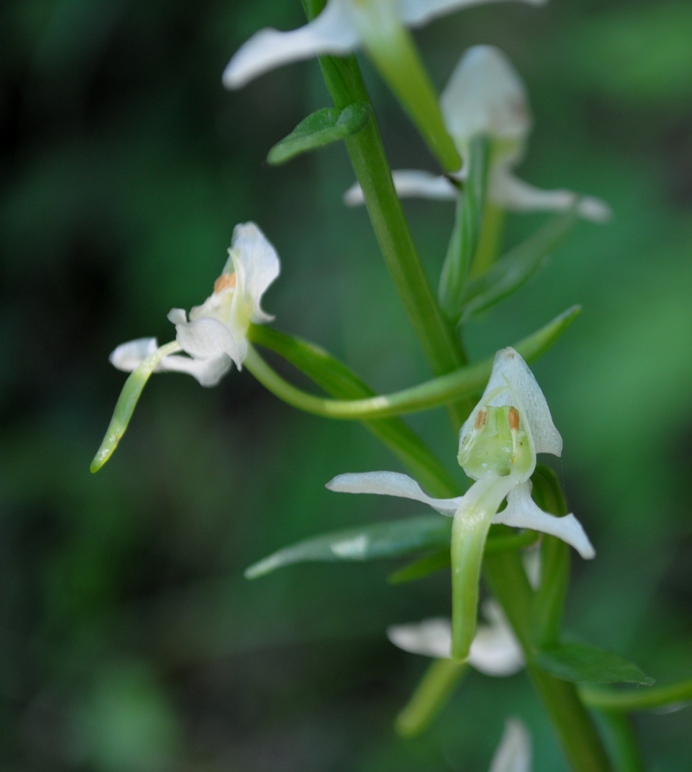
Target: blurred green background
[(129, 639)]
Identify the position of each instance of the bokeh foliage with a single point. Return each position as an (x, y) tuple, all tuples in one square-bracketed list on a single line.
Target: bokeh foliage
[(129, 639)]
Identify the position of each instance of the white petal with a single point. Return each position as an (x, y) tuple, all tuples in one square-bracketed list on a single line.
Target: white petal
[(522, 512), (256, 264), (411, 183), (128, 356), (431, 637), (512, 383), (484, 95), (332, 32), (495, 650), (391, 484), (519, 196), (514, 752), (209, 339), (354, 195), (415, 12), (177, 316), (208, 372)]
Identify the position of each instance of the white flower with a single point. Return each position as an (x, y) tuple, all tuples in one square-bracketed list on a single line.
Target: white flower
[(215, 335), (338, 30), (485, 96), (498, 444), (514, 751), (494, 650)]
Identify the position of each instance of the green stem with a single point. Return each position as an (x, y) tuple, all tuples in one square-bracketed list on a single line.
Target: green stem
[(430, 697), (462, 383), (645, 699), (391, 48), (366, 152), (623, 742), (572, 723), (549, 599)]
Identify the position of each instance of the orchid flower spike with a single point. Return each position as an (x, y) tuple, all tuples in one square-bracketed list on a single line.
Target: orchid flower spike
[(513, 754), (213, 337), (494, 651), (498, 444), (485, 97)]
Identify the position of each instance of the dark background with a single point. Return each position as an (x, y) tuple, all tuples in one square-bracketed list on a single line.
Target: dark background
[(129, 639)]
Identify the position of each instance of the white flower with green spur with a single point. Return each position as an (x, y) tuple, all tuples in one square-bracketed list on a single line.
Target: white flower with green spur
[(498, 444), (215, 334), (213, 337), (341, 28), (485, 97), (494, 651)]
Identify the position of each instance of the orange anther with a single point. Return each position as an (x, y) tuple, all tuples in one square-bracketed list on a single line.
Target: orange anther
[(513, 418), (224, 282), (481, 417)]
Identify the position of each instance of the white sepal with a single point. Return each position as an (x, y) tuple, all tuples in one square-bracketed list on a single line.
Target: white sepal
[(391, 484), (514, 751), (416, 12), (411, 183), (485, 96), (256, 265), (495, 650), (516, 195), (522, 512), (208, 372), (430, 638), (207, 338), (332, 32), (513, 384), (128, 356)]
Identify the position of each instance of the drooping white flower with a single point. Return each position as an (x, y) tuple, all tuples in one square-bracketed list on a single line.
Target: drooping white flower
[(498, 444), (339, 29), (215, 334), (494, 650), (485, 96), (513, 754)]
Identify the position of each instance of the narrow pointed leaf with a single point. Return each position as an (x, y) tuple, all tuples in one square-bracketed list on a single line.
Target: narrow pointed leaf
[(467, 229), (319, 129), (371, 542), (579, 662), (515, 268)]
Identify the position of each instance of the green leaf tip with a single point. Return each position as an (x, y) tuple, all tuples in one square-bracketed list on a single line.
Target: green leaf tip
[(371, 542), (319, 129), (581, 663)]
